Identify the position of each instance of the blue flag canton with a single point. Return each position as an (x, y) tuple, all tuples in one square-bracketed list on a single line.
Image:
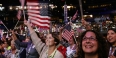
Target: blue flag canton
[(44, 9), (68, 27)]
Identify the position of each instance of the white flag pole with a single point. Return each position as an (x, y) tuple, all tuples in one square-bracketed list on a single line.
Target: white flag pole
[(16, 24), (74, 33), (22, 4), (5, 26), (24, 14)]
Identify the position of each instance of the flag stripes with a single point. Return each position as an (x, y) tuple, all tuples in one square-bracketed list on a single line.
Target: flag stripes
[(38, 19), (67, 34), (33, 11), (40, 25), (37, 15), (32, 3)]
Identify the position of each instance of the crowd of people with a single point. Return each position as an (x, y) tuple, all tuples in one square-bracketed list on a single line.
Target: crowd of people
[(90, 44)]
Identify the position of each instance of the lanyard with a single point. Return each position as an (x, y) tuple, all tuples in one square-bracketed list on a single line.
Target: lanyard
[(31, 46), (111, 52)]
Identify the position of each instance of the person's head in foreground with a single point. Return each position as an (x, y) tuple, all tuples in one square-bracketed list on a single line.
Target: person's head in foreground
[(92, 45)]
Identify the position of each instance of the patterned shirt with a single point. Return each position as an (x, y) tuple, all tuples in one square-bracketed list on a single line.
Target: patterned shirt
[(11, 55)]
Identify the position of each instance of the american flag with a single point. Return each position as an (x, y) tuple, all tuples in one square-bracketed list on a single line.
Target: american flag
[(67, 33), (38, 14), (75, 16)]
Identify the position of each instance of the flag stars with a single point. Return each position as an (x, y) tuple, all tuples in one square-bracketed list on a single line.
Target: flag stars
[(40, 7)]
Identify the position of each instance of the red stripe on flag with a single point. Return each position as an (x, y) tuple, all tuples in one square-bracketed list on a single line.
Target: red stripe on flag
[(72, 32), (40, 25)]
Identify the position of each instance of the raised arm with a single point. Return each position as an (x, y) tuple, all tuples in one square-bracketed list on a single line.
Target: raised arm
[(86, 24), (35, 39), (17, 42)]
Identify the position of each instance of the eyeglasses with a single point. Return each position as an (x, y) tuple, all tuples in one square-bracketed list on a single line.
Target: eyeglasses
[(90, 38)]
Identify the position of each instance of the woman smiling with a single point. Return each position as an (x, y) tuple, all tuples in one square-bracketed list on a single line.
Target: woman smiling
[(47, 49), (92, 45)]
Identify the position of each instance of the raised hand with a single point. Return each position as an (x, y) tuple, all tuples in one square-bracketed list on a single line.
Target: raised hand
[(26, 22), (19, 14), (83, 22)]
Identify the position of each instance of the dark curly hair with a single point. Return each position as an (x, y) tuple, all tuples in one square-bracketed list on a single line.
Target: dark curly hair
[(113, 29), (102, 45)]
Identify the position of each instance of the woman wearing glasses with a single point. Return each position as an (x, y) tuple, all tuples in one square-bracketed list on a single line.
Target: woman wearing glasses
[(111, 37), (92, 45)]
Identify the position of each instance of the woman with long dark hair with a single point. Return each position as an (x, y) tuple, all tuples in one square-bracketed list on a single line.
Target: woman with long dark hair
[(92, 45), (111, 38)]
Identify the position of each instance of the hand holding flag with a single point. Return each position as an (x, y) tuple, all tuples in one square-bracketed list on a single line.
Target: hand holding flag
[(83, 22), (19, 14), (86, 24)]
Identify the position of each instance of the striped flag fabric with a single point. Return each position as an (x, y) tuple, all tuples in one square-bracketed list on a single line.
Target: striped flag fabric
[(72, 32), (38, 13), (66, 34)]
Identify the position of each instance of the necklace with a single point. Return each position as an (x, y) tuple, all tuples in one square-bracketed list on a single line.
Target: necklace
[(52, 56)]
